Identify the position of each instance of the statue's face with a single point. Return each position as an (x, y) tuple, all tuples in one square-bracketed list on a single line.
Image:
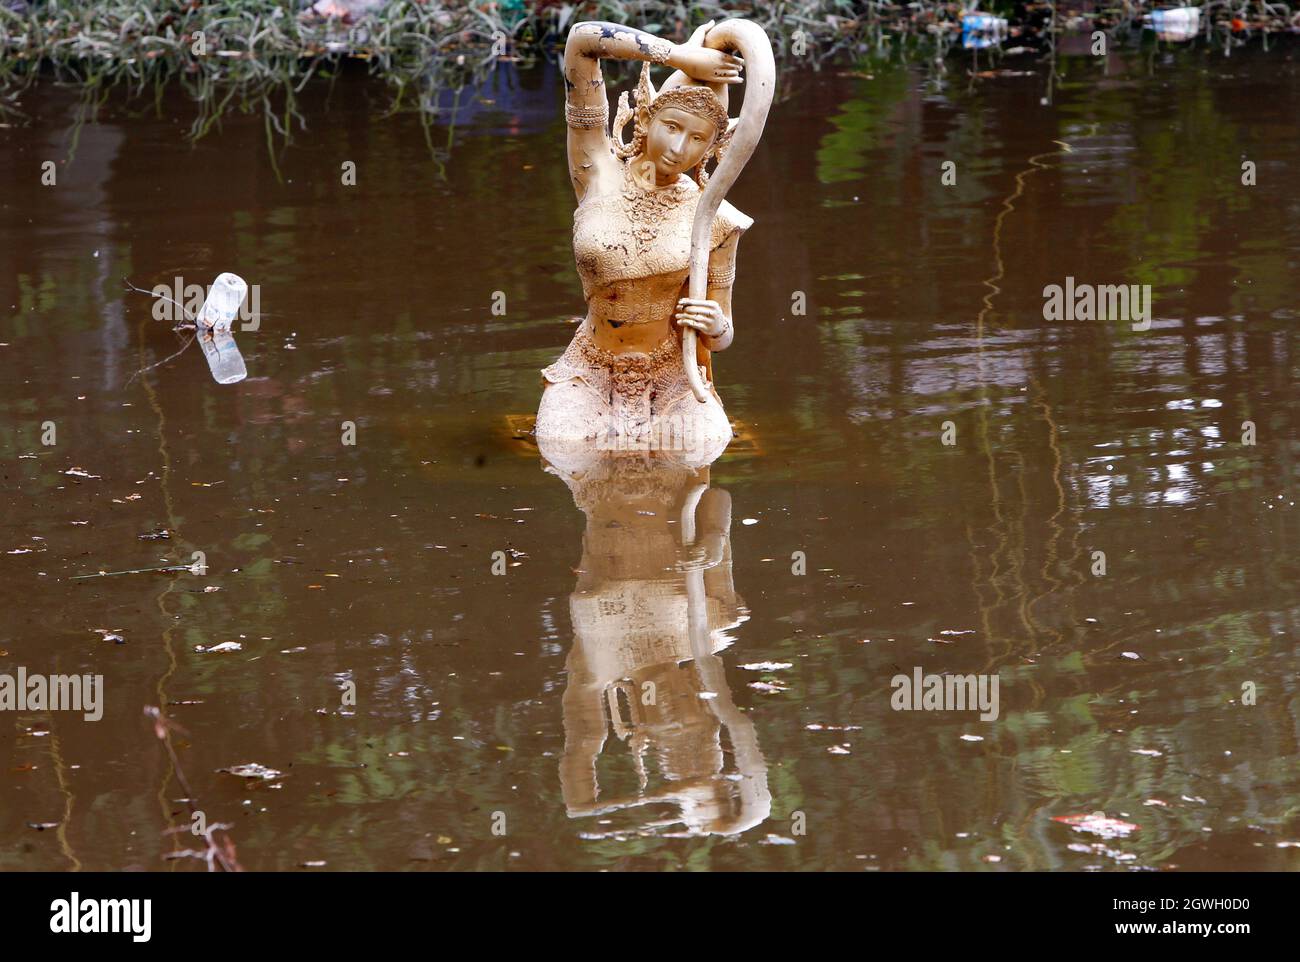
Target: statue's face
[(677, 140)]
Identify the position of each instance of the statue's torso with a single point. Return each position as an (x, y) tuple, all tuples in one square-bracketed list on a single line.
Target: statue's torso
[(632, 246)]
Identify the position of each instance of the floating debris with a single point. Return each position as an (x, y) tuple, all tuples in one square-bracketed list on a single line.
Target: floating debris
[(212, 328), (252, 770), (1097, 823), (1101, 848), (215, 318), (132, 571), (815, 727), (224, 648), (1174, 25), (981, 30)]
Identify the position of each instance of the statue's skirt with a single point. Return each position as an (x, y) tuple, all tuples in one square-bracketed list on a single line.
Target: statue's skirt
[(632, 401)]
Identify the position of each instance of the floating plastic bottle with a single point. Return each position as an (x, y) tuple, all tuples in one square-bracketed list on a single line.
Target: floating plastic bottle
[(981, 30), (214, 328), (1175, 25), (224, 297)]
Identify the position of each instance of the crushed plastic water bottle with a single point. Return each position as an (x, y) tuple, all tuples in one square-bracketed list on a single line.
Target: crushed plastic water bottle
[(214, 328), (224, 297), (981, 30), (1175, 25)]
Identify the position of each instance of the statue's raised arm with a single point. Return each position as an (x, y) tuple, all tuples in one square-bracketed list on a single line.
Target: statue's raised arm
[(586, 107)]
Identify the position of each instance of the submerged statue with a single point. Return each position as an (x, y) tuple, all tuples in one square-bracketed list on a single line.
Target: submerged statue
[(653, 607), (655, 248)]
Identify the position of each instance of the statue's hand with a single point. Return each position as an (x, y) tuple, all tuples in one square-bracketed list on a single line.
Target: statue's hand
[(704, 315), (700, 32), (706, 64)]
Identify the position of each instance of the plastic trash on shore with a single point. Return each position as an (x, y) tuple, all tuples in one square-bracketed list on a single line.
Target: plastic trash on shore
[(1174, 25), (214, 324), (981, 30)]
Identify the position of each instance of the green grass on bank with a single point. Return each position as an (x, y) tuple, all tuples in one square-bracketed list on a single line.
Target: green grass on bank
[(137, 39), (249, 53), (242, 51)]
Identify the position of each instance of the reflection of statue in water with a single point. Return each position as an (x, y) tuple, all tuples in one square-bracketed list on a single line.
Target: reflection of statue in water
[(651, 610), (655, 248)]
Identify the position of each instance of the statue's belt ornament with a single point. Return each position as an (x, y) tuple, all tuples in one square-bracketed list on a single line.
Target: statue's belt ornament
[(630, 375)]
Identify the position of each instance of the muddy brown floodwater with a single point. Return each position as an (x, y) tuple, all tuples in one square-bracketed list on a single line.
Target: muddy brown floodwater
[(516, 701)]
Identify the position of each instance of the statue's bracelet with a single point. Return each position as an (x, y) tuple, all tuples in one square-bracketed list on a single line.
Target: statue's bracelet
[(586, 117), (721, 277)]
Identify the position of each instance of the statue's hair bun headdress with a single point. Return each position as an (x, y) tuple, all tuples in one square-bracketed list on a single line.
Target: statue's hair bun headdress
[(697, 99)]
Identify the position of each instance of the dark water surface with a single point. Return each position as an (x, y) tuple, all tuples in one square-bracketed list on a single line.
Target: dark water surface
[(519, 694)]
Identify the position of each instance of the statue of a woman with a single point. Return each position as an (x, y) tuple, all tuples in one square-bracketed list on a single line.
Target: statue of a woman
[(623, 375)]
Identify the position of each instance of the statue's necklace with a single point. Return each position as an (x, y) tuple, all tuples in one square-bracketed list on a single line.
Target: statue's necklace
[(649, 207)]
